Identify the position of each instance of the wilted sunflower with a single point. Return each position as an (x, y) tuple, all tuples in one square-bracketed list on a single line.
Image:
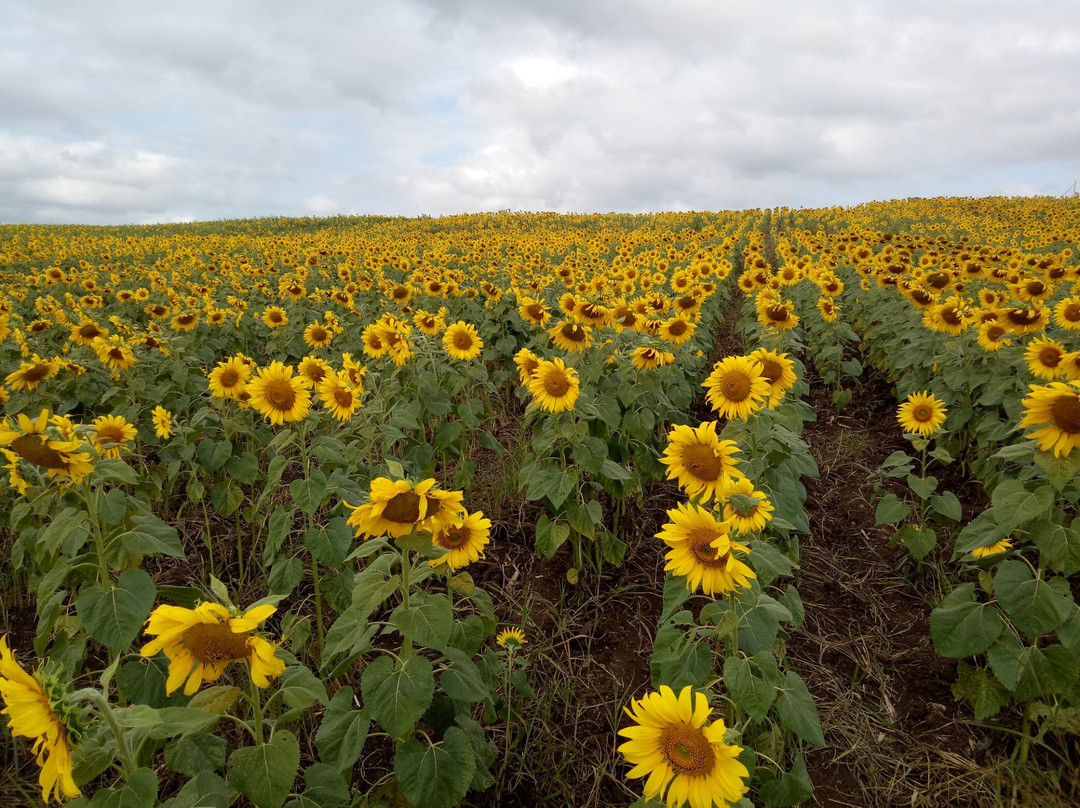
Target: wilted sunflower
[(463, 540), (570, 336), (201, 642), (31, 374), (1043, 357), (338, 395), (28, 441), (229, 379), (462, 341), (278, 395), (397, 508), (1056, 408), (527, 362), (736, 387), (162, 420), (112, 434), (684, 756), (702, 551), (921, 414), (644, 358), (699, 461), (31, 714), (554, 386), (779, 370)]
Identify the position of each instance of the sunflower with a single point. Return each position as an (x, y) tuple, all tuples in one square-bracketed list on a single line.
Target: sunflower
[(114, 352), (375, 344), (737, 387), (275, 317), (699, 462), (1056, 408), (28, 441), (554, 386), (527, 362), (338, 395), (31, 374), (201, 642), (991, 335), (534, 311), (1067, 313), (685, 757), (778, 370), (317, 335), (397, 508), (31, 714), (1025, 321), (278, 395), (86, 332), (922, 414), (644, 358), (355, 371), (230, 378), (996, 548), (701, 551), (185, 321), (512, 638), (677, 330), (778, 316), (462, 341), (111, 435), (163, 423), (827, 308), (1043, 357), (464, 541), (571, 336), (427, 323), (312, 370), (746, 508)]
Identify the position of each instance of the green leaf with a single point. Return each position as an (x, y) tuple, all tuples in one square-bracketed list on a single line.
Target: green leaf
[(204, 790), (343, 731), (139, 791), (751, 690), (226, 498), (768, 562), (281, 522), (922, 486), (1059, 470), (192, 754), (142, 681), (614, 471), (308, 494), (243, 468), (427, 621), (1047, 671), (796, 708), (436, 776), (114, 616), (214, 454), (985, 693), (331, 544), (113, 469), (264, 774), (70, 528), (326, 788), (112, 506), (918, 542), (300, 688), (167, 722), (1033, 605), (962, 627), (891, 510), (1006, 656), (398, 694), (550, 536), (1015, 506), (1059, 546), (982, 531), (152, 536), (285, 575), (461, 679), (947, 504), (789, 789)]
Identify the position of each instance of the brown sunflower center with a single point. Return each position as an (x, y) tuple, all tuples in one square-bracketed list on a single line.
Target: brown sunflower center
[(677, 328), (229, 378), (700, 544), (995, 332), (463, 340), (688, 751), (280, 395), (922, 297), (116, 354), (771, 370), (343, 398), (403, 508), (735, 386), (89, 331), (215, 642), (1049, 356), (556, 384), (951, 316), (34, 449), (702, 462), (185, 319), (318, 334), (1023, 316), (535, 311), (36, 373), (573, 332), (454, 537), (923, 413), (1035, 288), (778, 314), (1071, 312), (1066, 412)]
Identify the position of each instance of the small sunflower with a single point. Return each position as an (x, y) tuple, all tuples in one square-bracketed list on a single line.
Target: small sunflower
[(921, 414), (571, 336), (701, 551), (312, 370), (747, 509), (201, 642), (275, 317), (185, 321), (992, 336), (684, 756), (464, 541), (112, 434), (779, 370), (1067, 313), (398, 507), (534, 311), (737, 387), (317, 335), (31, 374), (677, 330), (462, 341), (163, 423), (511, 638), (230, 378), (1054, 407), (278, 395), (527, 362), (338, 395), (114, 352), (554, 386), (644, 358), (994, 549), (699, 462), (1043, 357)]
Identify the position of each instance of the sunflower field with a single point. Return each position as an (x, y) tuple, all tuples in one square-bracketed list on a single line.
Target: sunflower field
[(513, 508)]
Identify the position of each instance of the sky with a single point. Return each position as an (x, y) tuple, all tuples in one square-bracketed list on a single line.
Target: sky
[(129, 112)]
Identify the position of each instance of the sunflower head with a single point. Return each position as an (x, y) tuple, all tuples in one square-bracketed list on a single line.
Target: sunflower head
[(921, 414)]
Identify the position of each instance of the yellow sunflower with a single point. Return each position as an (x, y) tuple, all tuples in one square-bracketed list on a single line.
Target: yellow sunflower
[(1054, 407), (737, 387), (684, 756), (463, 540), (991, 336), (512, 638), (571, 336), (779, 370), (229, 379), (31, 714), (185, 321), (375, 344), (644, 358), (112, 434), (114, 352), (778, 316), (702, 551), (746, 508), (28, 441), (86, 332), (312, 370), (338, 395), (397, 508), (275, 317), (162, 420), (31, 374), (699, 462), (527, 362), (554, 386), (1043, 357), (1067, 313), (921, 414), (996, 548), (462, 341), (278, 395), (534, 311), (677, 330), (201, 642), (317, 335)]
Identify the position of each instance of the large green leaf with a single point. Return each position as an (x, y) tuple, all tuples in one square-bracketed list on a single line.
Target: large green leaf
[(797, 710), (1014, 505), (1059, 546), (427, 621), (329, 545), (114, 616), (891, 510), (341, 735), (748, 686), (152, 536), (1032, 604), (264, 774), (204, 790), (461, 679), (139, 791), (435, 776), (398, 694), (191, 754), (962, 627)]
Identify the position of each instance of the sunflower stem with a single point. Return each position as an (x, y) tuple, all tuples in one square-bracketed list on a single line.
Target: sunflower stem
[(90, 497), (123, 750), (406, 563), (256, 711)]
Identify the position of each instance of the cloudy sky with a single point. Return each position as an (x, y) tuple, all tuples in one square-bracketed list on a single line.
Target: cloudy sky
[(126, 111)]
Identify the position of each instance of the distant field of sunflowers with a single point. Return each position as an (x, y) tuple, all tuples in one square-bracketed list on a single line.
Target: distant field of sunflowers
[(246, 468)]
